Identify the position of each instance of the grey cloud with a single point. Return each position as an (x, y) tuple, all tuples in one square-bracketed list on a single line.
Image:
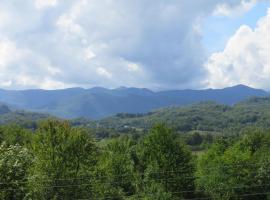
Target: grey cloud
[(143, 43)]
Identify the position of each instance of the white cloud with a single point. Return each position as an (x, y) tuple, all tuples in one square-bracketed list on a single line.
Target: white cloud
[(103, 72), (245, 59), (68, 26), (7, 52), (17, 18), (40, 4), (232, 10), (22, 68), (88, 54), (133, 67), (155, 44)]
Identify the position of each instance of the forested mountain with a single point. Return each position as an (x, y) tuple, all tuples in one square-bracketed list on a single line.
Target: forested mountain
[(58, 161), (99, 102), (20, 117), (205, 116), (208, 117), (205, 151)]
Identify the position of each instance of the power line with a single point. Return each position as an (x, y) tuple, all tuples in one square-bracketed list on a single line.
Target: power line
[(241, 195), (140, 173), (89, 184), (96, 178), (198, 198)]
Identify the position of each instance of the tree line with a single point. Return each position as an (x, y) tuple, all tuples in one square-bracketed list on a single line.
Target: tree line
[(59, 161)]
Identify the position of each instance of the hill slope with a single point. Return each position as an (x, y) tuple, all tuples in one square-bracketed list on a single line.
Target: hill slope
[(207, 116), (100, 102), (20, 117)]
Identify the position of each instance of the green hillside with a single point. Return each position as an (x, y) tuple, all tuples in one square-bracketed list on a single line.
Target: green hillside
[(97, 103), (207, 116), (206, 151), (20, 117)]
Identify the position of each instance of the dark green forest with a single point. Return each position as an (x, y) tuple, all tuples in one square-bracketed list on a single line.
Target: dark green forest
[(198, 124), (59, 161), (205, 116), (203, 151)]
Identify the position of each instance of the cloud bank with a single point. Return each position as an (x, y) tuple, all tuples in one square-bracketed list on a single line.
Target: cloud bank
[(245, 59), (144, 43)]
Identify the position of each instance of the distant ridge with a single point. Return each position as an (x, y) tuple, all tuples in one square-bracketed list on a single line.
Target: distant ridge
[(98, 102), (20, 117), (4, 109), (204, 117)]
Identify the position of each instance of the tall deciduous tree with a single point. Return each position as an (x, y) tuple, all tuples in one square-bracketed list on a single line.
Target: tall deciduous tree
[(237, 171), (116, 174), (65, 161), (166, 165), (15, 162)]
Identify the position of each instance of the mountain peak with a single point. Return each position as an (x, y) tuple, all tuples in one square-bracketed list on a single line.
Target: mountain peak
[(99, 102), (242, 86), (98, 89), (121, 88)]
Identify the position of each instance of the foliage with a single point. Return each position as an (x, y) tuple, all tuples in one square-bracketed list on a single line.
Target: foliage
[(60, 161), (13, 134), (116, 172), (15, 162), (24, 119), (203, 117), (64, 157), (166, 164), (237, 170)]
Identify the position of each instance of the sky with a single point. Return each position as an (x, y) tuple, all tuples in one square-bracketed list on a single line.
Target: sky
[(156, 44)]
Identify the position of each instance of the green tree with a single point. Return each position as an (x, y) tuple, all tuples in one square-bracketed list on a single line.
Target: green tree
[(116, 174), (15, 162), (14, 134), (166, 164), (64, 164), (194, 139), (237, 170)]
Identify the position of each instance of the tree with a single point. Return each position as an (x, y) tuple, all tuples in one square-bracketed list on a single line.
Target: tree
[(13, 134), (233, 170), (116, 173), (15, 162), (194, 139), (166, 165), (65, 161)]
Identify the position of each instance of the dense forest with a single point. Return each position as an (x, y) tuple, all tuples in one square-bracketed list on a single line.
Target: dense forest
[(202, 151), (20, 117), (204, 117), (59, 161), (97, 103)]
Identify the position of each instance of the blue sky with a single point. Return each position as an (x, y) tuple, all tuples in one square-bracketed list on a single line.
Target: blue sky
[(218, 29), (157, 44)]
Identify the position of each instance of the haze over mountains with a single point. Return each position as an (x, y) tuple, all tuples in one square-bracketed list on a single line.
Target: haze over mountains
[(96, 103)]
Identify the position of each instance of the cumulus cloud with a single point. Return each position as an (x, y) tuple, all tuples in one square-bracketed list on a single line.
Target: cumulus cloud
[(40, 4), (245, 59), (57, 43), (231, 10), (18, 68)]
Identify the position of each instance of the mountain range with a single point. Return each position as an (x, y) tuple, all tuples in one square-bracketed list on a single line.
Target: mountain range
[(98, 102), (204, 118)]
